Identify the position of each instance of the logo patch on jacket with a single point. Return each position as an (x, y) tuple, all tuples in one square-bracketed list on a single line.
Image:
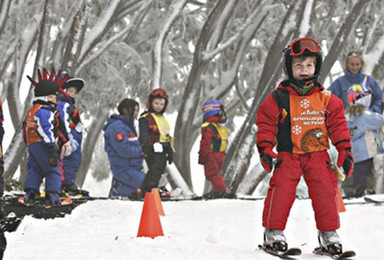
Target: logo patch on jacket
[(119, 137), (132, 137)]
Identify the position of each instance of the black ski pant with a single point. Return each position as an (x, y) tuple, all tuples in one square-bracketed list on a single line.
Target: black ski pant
[(156, 166)]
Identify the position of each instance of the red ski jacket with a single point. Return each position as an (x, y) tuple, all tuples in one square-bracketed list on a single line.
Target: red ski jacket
[(300, 123)]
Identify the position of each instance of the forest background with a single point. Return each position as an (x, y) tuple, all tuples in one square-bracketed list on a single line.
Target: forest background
[(230, 50)]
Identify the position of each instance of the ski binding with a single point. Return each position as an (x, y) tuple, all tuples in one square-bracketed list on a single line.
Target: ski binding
[(344, 255), (293, 251)]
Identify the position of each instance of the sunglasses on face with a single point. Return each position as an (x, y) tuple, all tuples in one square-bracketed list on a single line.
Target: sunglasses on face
[(300, 45)]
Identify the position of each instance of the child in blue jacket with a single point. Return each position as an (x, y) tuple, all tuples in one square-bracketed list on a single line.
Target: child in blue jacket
[(71, 117), (366, 142), (124, 150), (45, 135)]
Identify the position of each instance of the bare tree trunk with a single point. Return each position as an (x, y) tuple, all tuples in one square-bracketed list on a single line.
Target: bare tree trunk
[(17, 145), (187, 110), (4, 9), (157, 52), (339, 41), (89, 145), (74, 43), (242, 148)]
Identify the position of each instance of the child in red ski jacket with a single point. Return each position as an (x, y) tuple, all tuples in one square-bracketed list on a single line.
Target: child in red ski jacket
[(213, 144), (298, 118)]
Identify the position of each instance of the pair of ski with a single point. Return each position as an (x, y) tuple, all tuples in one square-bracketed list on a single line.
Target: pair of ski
[(294, 251)]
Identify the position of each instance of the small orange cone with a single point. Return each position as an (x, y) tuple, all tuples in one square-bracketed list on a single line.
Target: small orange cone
[(157, 198), (150, 225), (340, 202)]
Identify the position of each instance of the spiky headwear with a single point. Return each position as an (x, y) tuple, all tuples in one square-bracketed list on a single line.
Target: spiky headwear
[(48, 84)]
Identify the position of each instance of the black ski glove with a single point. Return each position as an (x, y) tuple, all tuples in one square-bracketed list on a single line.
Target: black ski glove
[(345, 159), (170, 155), (53, 156), (266, 158)]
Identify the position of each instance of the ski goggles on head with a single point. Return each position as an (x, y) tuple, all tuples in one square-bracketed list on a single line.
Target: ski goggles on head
[(160, 93), (300, 45)]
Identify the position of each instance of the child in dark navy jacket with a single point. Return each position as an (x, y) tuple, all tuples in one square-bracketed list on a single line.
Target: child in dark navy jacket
[(156, 140), (71, 117), (124, 150), (45, 135)]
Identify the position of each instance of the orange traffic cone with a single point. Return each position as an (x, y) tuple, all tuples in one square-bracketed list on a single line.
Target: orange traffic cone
[(150, 225), (340, 202), (157, 198)]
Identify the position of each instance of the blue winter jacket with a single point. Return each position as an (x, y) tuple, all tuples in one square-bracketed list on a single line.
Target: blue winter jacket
[(366, 141), (124, 150), (341, 85), (65, 106), (71, 163)]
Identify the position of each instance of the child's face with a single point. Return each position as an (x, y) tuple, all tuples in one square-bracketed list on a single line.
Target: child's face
[(136, 112), (158, 104), (303, 67), (354, 65), (52, 98), (72, 91)]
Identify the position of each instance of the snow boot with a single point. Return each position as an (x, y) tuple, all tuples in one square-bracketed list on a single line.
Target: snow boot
[(73, 190), (218, 195), (164, 192), (275, 240), (330, 241), (30, 197), (52, 198)]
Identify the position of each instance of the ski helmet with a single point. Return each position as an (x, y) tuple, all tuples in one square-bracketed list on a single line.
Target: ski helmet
[(305, 46), (212, 108), (157, 93)]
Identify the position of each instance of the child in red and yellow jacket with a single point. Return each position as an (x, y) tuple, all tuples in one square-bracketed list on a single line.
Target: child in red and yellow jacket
[(213, 145)]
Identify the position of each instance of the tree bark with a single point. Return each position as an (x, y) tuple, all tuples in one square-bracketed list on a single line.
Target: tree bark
[(89, 145)]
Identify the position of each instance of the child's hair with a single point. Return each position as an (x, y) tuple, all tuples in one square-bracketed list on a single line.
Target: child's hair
[(304, 57), (355, 110), (353, 54), (127, 104)]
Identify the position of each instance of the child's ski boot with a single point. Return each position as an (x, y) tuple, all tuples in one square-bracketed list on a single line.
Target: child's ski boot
[(30, 197), (52, 199), (275, 240), (330, 241), (73, 190)]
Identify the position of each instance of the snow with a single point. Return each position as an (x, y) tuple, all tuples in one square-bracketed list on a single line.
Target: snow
[(216, 229)]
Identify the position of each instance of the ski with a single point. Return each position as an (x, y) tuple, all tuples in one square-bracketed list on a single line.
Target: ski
[(38, 209), (288, 254), (372, 200), (41, 203), (324, 252)]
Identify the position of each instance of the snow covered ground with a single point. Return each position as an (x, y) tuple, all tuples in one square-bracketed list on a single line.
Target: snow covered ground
[(216, 229)]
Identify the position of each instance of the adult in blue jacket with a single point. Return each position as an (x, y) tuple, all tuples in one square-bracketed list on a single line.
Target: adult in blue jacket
[(354, 76), (124, 150)]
